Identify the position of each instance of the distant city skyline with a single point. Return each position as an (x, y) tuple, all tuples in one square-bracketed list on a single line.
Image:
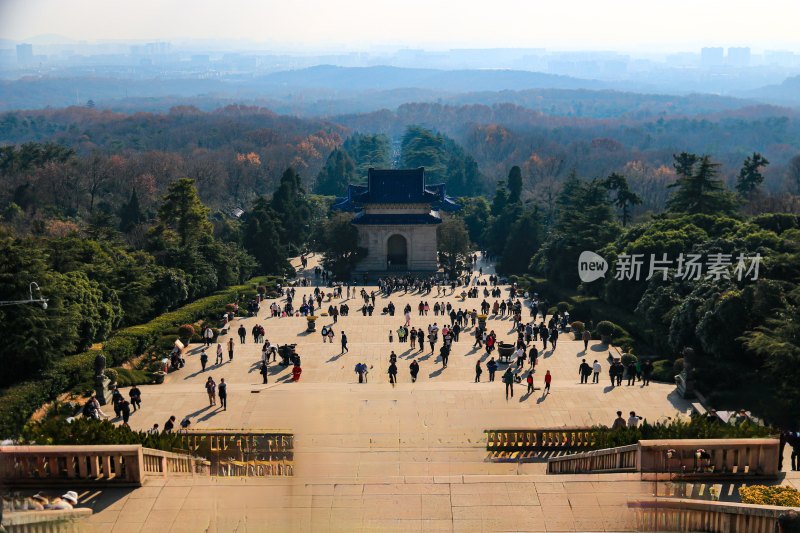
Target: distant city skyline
[(654, 26)]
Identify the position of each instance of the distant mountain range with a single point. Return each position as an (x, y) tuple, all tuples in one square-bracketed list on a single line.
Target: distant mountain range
[(786, 93), (384, 78), (327, 90)]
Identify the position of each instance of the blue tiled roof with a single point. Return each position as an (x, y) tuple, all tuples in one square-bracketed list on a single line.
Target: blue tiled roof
[(345, 203), (391, 186), (392, 219)]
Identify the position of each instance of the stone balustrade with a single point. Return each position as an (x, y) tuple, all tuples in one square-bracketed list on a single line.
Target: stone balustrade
[(46, 521), (678, 459), (107, 464), (621, 459), (680, 514)]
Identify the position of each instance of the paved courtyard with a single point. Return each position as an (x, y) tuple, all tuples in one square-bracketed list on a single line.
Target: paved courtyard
[(377, 457)]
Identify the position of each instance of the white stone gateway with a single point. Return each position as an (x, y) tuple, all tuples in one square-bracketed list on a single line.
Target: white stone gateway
[(397, 216)]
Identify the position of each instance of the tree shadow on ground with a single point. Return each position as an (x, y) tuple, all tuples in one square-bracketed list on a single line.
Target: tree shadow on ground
[(600, 348)]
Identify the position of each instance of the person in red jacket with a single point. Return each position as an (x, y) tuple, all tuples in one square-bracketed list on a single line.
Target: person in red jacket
[(296, 371), (547, 379)]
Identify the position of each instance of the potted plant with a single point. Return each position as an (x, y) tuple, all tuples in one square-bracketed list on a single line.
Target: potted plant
[(578, 328), (312, 323), (605, 329)]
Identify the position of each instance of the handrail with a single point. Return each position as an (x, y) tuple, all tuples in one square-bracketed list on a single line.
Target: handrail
[(620, 459), (55, 521), (678, 458), (683, 514), (126, 464)]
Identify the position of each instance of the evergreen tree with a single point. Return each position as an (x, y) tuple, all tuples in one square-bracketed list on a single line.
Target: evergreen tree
[(750, 177), (130, 214), (514, 184), (524, 240), (453, 244), (294, 211), (625, 198), (340, 245), (261, 238), (339, 170), (698, 190), (182, 212)]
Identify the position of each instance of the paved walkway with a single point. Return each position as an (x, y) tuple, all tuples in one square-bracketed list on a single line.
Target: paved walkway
[(377, 457)]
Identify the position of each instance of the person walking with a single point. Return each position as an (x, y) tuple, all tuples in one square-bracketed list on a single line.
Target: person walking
[(547, 379), (211, 389), (413, 338), (218, 359), (230, 349), (596, 368), (647, 371), (330, 335), (168, 425), (478, 371), (491, 366), (631, 370), (392, 373), (223, 394), (203, 359), (586, 337), (619, 422), (583, 371), (208, 336), (296, 371), (242, 333), (414, 370), (264, 371), (344, 342), (421, 339), (508, 379), (529, 380), (359, 370), (125, 411), (136, 397), (444, 353)]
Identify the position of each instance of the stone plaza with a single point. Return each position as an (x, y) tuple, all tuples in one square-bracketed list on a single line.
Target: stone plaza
[(377, 457)]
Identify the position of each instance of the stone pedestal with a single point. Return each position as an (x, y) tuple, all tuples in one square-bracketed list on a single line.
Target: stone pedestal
[(101, 389)]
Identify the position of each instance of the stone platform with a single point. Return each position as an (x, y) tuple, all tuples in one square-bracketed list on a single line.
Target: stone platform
[(377, 457)]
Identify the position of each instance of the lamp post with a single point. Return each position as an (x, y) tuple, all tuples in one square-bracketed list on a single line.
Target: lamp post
[(33, 285)]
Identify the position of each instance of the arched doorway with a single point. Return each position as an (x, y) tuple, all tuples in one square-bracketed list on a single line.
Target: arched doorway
[(397, 253)]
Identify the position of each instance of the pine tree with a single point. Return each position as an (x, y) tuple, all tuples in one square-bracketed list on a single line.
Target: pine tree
[(261, 238), (514, 184), (750, 177), (183, 212), (698, 190), (130, 214), (339, 170), (625, 198)]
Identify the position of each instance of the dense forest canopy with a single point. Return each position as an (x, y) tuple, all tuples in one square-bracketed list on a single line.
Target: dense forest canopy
[(120, 217)]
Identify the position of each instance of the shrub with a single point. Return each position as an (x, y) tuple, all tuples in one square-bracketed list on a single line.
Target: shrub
[(128, 377), (261, 289), (563, 307), (677, 366), (579, 326), (112, 375), (628, 358), (781, 495), (18, 402), (662, 371), (605, 328), (186, 331)]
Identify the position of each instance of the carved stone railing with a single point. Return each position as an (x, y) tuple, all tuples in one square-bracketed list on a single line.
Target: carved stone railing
[(678, 459), (46, 521), (621, 459), (109, 464), (679, 514)]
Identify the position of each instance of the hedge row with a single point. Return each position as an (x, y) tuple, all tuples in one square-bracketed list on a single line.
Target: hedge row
[(18, 402)]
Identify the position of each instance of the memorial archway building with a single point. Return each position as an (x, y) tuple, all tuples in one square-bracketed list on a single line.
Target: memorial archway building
[(397, 215)]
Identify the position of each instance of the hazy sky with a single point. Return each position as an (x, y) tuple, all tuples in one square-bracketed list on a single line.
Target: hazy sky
[(560, 24)]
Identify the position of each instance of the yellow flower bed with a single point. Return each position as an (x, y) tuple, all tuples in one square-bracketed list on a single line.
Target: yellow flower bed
[(777, 495)]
